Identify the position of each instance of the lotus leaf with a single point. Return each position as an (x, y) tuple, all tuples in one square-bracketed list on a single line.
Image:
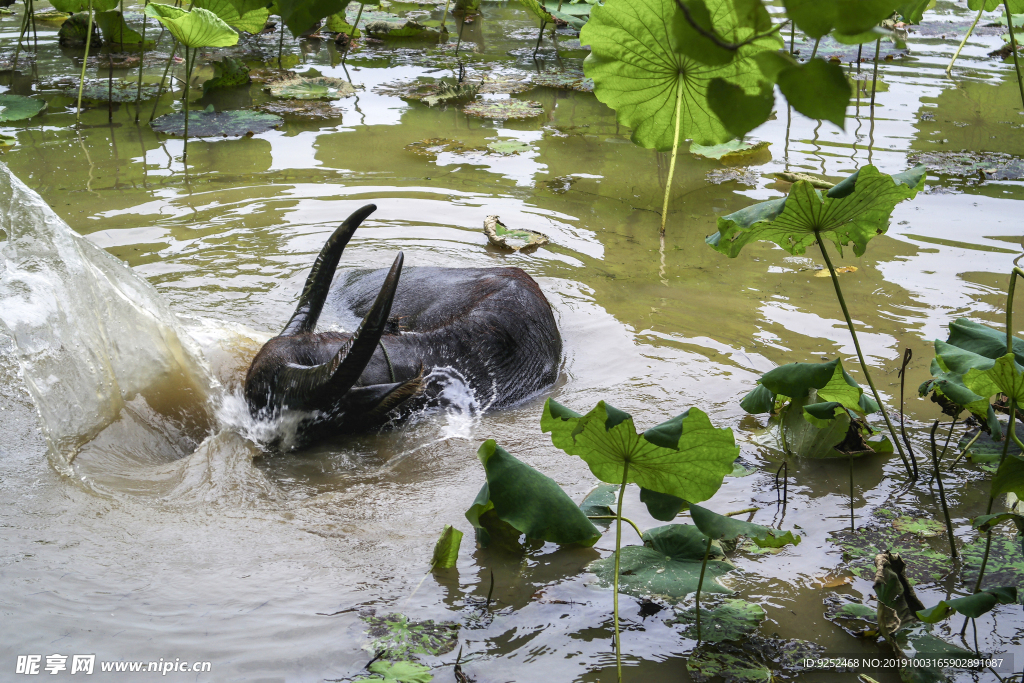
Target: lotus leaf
[(916, 643), (529, 501), (732, 620), (309, 109), (446, 93), (1005, 563), (249, 16), (1003, 375), (51, 16), (1009, 478), (18, 107), (302, 15), (972, 165), (817, 89), (573, 15), (73, 32), (407, 29), (722, 528), (209, 124), (509, 147), (446, 550), (987, 522), (397, 672), (76, 6), (539, 11), (504, 109), (856, 618), (662, 506), (195, 28), (860, 547), (829, 381), (567, 80), (648, 62), (228, 73), (853, 211), (117, 90), (503, 237), (972, 606), (115, 30), (338, 23), (912, 11), (316, 88), (668, 564), (705, 664), (404, 639), (817, 18), (925, 528), (686, 457), (599, 503), (732, 151)]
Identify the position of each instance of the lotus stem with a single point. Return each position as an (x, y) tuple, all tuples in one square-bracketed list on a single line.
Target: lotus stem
[(1014, 274), (17, 48), (967, 35), (907, 355), (85, 61), (942, 493), (945, 447), (963, 451), (618, 543), (991, 499), (744, 511), (815, 50), (352, 36), (675, 150), (540, 35), (444, 16), (189, 60), (160, 90), (110, 88), (700, 584), (792, 37), (860, 354), (1013, 46), (874, 79), (624, 519), (280, 43), (142, 61), (35, 36)]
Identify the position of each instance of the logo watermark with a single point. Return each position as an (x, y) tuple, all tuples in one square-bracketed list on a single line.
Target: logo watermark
[(54, 664)]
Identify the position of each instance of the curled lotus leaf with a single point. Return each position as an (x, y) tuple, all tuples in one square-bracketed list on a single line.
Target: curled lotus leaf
[(667, 565), (19, 107), (195, 28), (115, 30), (315, 88), (599, 503), (446, 550), (209, 124), (504, 237), (853, 212), (530, 502), (249, 16), (828, 380), (722, 528), (972, 606), (397, 672), (228, 73), (732, 152)]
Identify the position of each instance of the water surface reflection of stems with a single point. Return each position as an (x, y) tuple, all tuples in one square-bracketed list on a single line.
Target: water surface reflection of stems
[(860, 354), (163, 80)]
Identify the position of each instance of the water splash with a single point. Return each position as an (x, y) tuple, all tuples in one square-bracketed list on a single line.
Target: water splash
[(90, 335)]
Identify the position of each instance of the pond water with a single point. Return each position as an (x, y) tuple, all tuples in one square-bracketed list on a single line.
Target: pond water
[(174, 534)]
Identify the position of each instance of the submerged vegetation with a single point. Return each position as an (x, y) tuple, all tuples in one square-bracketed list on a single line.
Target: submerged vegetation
[(675, 72)]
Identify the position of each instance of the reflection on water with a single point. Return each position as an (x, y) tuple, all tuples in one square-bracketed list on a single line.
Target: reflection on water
[(177, 534)]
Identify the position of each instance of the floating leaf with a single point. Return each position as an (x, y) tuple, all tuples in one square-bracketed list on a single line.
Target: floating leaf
[(504, 109), (446, 93), (705, 664), (732, 620), (316, 88), (972, 606), (228, 73), (52, 16), (853, 211), (565, 80), (397, 672), (668, 564), (722, 528), (860, 547), (308, 109), (509, 147), (733, 151), (116, 90), (856, 618), (1005, 563), (517, 240), (18, 107), (685, 457), (204, 124), (404, 639), (196, 28), (446, 550), (408, 29), (529, 501), (645, 58), (925, 528)]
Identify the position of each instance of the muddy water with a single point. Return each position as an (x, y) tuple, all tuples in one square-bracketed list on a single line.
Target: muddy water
[(173, 534)]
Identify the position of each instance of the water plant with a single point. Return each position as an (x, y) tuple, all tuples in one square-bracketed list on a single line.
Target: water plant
[(853, 212), (71, 7)]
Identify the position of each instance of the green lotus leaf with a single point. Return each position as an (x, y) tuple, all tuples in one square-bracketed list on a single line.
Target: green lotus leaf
[(686, 457), (315, 88), (663, 507), (732, 620), (816, 18), (196, 28), (397, 672), (1009, 478), (722, 528), (504, 109), (923, 563), (985, 449), (732, 151), (1005, 563), (987, 522), (917, 645), (405, 639), (912, 11), (446, 550), (338, 23), (228, 73), (925, 528), (667, 565), (739, 111), (1004, 375), (817, 89), (115, 30), (796, 380), (646, 58), (972, 606), (538, 11), (983, 340), (302, 15), (854, 211), (529, 501), (18, 107), (855, 618), (705, 664), (243, 15), (599, 502), (102, 90), (404, 29), (75, 31), (209, 124), (75, 6)]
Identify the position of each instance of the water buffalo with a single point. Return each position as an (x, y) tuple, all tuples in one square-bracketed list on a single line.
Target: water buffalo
[(491, 327)]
